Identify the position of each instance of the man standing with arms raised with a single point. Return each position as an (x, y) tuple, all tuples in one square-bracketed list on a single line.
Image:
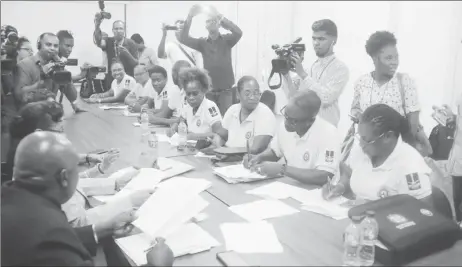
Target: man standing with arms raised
[(117, 47), (216, 52), (327, 76)]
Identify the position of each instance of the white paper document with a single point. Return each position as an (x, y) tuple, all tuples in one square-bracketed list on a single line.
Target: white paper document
[(237, 174), (275, 190), (188, 239), (314, 202), (202, 155), (127, 113), (175, 202), (163, 138), (107, 107), (255, 237), (262, 209)]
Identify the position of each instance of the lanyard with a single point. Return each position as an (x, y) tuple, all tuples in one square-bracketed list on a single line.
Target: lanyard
[(322, 72)]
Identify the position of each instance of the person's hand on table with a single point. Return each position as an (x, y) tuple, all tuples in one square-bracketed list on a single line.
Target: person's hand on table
[(91, 100), (123, 180), (270, 169), (94, 96), (94, 158), (117, 225), (160, 257), (134, 108), (77, 108), (250, 164), (353, 203), (330, 191), (109, 158), (172, 130)]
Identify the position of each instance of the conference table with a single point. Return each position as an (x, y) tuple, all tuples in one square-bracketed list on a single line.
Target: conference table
[(307, 238)]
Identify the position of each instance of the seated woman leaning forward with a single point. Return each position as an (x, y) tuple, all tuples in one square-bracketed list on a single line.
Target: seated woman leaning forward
[(382, 164)]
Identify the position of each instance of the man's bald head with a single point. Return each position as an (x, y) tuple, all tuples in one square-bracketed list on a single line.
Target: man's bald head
[(48, 161), (247, 80), (118, 29), (307, 101)]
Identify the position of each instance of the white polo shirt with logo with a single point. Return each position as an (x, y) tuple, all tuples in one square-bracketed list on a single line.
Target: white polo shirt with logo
[(260, 122), (206, 115), (160, 97), (176, 100), (143, 91), (403, 172), (318, 148), (127, 83)]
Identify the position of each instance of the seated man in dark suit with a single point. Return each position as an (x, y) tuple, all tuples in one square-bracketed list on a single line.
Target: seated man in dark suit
[(35, 231)]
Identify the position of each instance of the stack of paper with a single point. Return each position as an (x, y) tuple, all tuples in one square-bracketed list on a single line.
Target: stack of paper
[(148, 178), (262, 209), (311, 200), (114, 106), (238, 174), (188, 239), (255, 237), (175, 202)]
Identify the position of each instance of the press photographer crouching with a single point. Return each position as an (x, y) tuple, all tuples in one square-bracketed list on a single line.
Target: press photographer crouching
[(45, 71)]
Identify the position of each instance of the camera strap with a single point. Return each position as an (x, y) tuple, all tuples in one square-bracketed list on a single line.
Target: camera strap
[(273, 87), (186, 54)]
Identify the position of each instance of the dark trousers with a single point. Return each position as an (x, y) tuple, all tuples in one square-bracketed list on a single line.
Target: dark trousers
[(224, 99), (457, 196)]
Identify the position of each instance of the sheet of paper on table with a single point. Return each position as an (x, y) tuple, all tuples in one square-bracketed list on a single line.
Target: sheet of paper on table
[(115, 106), (202, 155), (238, 174), (314, 202), (149, 178), (175, 202), (188, 239), (254, 237), (275, 190), (263, 209), (127, 113)]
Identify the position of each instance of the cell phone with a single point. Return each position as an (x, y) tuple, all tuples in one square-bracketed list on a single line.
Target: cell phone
[(231, 258)]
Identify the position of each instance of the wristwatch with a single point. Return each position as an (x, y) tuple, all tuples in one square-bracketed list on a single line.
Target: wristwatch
[(283, 169)]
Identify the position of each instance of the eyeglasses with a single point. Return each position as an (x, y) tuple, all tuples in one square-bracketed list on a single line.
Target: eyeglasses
[(256, 94), (364, 142), (291, 121)]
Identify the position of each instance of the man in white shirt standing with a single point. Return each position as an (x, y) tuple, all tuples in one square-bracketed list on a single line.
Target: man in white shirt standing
[(328, 76), (174, 50), (309, 145)]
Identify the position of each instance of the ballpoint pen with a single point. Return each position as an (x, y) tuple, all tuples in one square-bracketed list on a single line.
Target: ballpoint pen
[(248, 151)]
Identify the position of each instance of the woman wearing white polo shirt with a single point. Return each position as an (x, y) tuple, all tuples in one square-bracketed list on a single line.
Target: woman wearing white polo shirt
[(202, 115), (248, 120), (383, 164), (122, 85)]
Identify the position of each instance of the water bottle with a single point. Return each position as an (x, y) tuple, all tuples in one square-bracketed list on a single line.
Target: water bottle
[(351, 242), (182, 135), (161, 254), (153, 148), (144, 124), (370, 231)]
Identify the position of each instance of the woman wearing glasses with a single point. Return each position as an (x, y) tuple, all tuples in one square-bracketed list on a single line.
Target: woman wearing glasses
[(202, 115), (250, 120), (23, 49), (383, 164)]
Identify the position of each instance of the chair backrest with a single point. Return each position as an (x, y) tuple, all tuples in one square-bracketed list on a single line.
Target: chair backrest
[(269, 99), (441, 202)]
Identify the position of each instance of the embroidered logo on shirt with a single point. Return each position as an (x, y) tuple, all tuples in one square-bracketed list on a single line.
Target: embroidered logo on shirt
[(127, 84), (213, 111), (383, 193), (164, 95), (396, 218), (426, 212), (248, 135), (306, 156), (329, 156), (198, 123), (413, 181)]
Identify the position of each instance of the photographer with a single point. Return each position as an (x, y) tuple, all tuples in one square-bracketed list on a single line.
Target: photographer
[(216, 53), (327, 76), (8, 49), (33, 73), (117, 47), (174, 50)]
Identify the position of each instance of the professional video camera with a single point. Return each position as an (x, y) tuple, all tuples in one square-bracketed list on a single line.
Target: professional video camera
[(282, 63), (104, 14), (92, 85), (57, 72)]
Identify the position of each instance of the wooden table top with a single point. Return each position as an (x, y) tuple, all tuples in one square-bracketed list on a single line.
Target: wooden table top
[(307, 238)]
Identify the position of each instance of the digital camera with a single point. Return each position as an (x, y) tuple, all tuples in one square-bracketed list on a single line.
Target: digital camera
[(282, 63), (104, 14), (60, 75)]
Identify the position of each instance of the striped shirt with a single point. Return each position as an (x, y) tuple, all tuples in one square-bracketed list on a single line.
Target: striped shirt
[(328, 77)]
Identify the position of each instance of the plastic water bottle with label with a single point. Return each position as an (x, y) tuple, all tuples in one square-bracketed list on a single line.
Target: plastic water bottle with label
[(182, 135), (370, 231), (153, 144), (144, 124), (351, 242)]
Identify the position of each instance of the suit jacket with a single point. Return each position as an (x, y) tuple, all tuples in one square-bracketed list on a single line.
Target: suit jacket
[(35, 231)]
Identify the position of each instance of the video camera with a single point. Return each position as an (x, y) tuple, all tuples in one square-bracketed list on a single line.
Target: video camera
[(104, 14), (57, 72), (282, 63)]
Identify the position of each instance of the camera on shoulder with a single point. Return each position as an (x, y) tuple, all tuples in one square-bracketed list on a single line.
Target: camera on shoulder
[(281, 64), (58, 73)]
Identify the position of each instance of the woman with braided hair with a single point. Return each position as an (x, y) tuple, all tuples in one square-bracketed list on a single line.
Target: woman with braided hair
[(383, 164)]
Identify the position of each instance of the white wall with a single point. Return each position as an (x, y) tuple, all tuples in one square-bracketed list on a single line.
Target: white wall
[(429, 35)]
